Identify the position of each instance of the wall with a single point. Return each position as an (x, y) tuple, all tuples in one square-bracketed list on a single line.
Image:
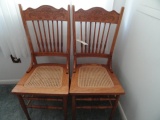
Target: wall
[(10, 71), (137, 61)]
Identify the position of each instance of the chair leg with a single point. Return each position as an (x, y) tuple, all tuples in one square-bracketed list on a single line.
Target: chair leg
[(114, 107), (73, 108), (23, 106), (65, 107)]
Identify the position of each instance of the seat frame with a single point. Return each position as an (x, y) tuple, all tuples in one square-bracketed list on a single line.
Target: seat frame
[(110, 95)]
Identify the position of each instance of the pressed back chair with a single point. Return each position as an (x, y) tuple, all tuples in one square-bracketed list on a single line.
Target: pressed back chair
[(95, 82), (48, 34)]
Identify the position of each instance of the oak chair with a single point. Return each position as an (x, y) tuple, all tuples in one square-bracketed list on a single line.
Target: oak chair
[(94, 82), (48, 34)]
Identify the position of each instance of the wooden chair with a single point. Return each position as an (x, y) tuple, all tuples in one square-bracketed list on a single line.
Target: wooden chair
[(48, 34), (94, 82)]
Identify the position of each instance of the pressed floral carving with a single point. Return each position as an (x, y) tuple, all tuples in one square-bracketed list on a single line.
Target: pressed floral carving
[(97, 14), (46, 13)]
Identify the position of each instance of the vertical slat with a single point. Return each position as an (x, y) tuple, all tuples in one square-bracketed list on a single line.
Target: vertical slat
[(54, 43), (93, 43), (57, 37), (81, 36), (85, 36), (41, 37), (45, 36), (61, 36), (100, 48), (105, 44), (89, 37), (50, 43), (98, 37), (36, 36)]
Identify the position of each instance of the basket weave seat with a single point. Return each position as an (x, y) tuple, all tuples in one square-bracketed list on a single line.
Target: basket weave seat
[(45, 76), (94, 76)]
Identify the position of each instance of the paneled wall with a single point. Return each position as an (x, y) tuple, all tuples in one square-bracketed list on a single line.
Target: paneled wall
[(137, 60)]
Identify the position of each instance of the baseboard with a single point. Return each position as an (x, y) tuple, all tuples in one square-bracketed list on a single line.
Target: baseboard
[(123, 115), (10, 81)]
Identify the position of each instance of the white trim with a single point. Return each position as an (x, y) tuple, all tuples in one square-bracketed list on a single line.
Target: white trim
[(123, 115), (150, 7), (10, 81), (155, 13)]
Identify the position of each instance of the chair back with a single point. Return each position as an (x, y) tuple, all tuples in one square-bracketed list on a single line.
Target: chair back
[(99, 29), (48, 31)]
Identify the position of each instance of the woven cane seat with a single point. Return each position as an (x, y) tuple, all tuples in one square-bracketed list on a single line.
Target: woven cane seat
[(94, 76), (46, 77)]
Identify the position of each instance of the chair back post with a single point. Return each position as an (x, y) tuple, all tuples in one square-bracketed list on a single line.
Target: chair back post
[(33, 59), (115, 39), (74, 39), (68, 39)]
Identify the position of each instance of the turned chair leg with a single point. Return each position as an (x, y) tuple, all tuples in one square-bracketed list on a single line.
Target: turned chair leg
[(65, 107), (22, 103), (73, 108), (114, 107)]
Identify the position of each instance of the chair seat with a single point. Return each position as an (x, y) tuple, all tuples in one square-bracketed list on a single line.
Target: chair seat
[(49, 79), (94, 80), (45, 76), (94, 76)]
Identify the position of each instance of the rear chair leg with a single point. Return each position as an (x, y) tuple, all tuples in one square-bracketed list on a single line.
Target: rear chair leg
[(114, 107), (23, 106), (73, 108)]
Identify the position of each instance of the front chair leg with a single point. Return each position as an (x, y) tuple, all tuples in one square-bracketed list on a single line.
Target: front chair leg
[(65, 107), (23, 106), (114, 107)]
